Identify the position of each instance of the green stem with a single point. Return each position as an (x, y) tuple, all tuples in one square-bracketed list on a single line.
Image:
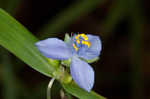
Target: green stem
[(49, 88)]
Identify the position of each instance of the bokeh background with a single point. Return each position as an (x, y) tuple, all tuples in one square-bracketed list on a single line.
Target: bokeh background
[(123, 70)]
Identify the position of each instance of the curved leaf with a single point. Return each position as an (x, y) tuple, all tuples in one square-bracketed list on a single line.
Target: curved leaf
[(73, 89), (19, 41)]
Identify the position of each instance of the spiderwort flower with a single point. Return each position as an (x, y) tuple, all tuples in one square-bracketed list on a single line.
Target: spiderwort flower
[(77, 48)]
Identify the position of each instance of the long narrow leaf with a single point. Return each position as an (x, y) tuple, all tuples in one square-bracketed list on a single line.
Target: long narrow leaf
[(19, 41), (73, 89)]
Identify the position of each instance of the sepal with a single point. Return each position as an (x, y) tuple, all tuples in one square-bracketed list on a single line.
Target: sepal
[(55, 63), (66, 62), (67, 38)]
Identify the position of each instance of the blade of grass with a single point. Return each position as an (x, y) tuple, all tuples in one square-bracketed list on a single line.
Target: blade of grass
[(73, 89), (19, 41)]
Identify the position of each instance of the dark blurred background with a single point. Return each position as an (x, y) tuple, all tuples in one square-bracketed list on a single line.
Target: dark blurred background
[(123, 25)]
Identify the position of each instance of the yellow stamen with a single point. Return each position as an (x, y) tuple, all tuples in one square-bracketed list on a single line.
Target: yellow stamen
[(78, 41), (77, 37), (86, 43), (84, 36), (75, 47)]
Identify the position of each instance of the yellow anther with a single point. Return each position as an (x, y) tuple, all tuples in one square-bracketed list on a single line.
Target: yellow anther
[(78, 41), (86, 43), (84, 36), (77, 37), (75, 47)]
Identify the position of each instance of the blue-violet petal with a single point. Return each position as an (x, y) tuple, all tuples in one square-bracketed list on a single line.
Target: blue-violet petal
[(54, 48), (82, 73), (94, 50)]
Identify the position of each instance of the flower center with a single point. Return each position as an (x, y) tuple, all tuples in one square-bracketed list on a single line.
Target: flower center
[(81, 40)]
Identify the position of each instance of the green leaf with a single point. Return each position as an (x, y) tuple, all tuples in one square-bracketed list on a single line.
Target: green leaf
[(73, 89), (18, 40)]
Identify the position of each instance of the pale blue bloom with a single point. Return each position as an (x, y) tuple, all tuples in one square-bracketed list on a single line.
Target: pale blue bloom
[(77, 48)]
